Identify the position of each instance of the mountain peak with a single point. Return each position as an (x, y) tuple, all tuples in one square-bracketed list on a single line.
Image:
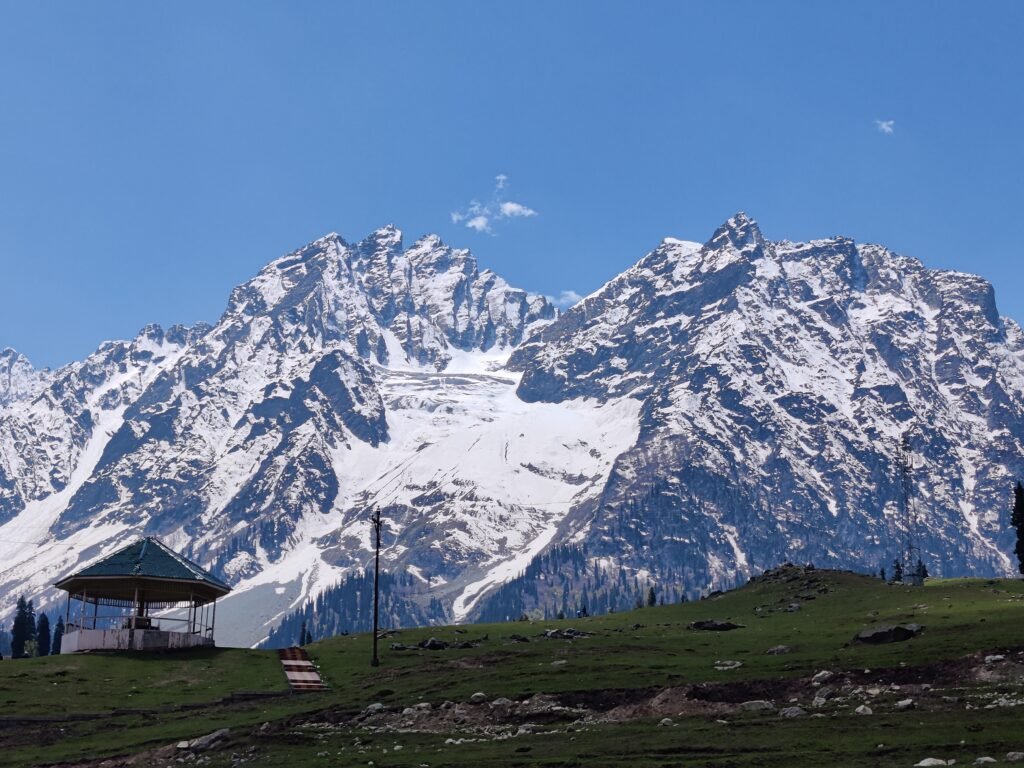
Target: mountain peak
[(389, 234), (740, 231)]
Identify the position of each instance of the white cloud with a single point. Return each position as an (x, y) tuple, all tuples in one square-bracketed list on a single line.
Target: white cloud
[(479, 223), (481, 217), (565, 299), (509, 209), (888, 127)]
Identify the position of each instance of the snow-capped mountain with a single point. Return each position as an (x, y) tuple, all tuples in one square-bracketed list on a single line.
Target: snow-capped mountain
[(710, 412), (777, 380)]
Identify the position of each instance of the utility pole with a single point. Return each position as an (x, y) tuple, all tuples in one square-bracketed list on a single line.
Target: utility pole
[(375, 519)]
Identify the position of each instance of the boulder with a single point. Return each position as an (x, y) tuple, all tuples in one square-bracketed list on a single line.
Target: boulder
[(895, 633), (1015, 757), (863, 709), (792, 712), (822, 677), (778, 650), (931, 761), (727, 664), (478, 698), (985, 760), (757, 705), (209, 740), (667, 721), (433, 644), (714, 625), (904, 704)]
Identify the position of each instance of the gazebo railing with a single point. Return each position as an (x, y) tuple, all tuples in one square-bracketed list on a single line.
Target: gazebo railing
[(128, 621), (104, 614)]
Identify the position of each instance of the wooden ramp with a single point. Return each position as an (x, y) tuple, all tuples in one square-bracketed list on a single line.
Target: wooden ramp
[(301, 674)]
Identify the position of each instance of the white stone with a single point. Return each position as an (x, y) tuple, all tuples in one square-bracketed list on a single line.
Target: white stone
[(863, 709)]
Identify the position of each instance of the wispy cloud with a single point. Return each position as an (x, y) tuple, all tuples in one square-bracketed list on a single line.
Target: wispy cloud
[(482, 217), (565, 299), (888, 127)]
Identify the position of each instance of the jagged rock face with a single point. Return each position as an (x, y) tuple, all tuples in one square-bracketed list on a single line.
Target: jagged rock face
[(712, 411), (49, 430), (243, 427), (258, 443), (777, 380), (18, 379)]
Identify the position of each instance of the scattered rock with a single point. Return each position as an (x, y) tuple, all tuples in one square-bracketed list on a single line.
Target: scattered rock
[(896, 633), (209, 740), (757, 705), (778, 650), (667, 721), (478, 698), (822, 677), (994, 658), (792, 712), (518, 639), (985, 760), (863, 709), (566, 634), (726, 665), (433, 644), (559, 663), (374, 708), (931, 761), (793, 607), (904, 704), (714, 625), (501, 701), (1015, 757)]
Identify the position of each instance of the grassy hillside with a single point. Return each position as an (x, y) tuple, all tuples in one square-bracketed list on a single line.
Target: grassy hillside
[(596, 700)]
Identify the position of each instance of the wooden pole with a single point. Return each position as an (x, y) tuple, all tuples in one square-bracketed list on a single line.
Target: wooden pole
[(375, 519)]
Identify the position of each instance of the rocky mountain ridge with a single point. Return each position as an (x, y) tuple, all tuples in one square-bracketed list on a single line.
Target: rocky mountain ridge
[(711, 412)]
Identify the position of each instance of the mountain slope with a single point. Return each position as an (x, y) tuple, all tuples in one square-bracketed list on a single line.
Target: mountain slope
[(777, 380), (714, 410)]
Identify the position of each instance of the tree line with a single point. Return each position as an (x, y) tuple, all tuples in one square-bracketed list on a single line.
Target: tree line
[(31, 635)]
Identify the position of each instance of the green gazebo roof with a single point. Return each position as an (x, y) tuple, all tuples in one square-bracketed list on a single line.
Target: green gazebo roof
[(147, 560)]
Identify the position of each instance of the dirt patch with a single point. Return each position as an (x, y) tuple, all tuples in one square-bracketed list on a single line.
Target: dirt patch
[(669, 702)]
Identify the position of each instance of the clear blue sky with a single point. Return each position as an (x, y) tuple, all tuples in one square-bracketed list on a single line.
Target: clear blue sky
[(153, 155)]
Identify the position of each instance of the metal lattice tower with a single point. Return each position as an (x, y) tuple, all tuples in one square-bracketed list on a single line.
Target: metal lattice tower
[(910, 557)]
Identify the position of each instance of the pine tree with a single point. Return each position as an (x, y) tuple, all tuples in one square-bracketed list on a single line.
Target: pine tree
[(897, 572), (58, 637), (652, 598), (43, 635), (19, 630), (1017, 520), (302, 633), (308, 638)]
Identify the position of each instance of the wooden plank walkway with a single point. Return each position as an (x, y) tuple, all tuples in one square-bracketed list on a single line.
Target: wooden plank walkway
[(301, 674)]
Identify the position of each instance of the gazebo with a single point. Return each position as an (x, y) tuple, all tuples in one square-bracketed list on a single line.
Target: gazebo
[(143, 597)]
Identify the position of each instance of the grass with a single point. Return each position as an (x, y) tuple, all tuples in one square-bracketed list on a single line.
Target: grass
[(150, 701)]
